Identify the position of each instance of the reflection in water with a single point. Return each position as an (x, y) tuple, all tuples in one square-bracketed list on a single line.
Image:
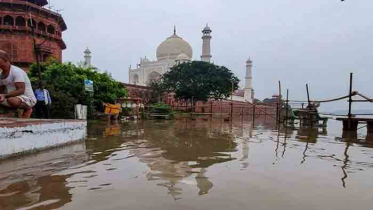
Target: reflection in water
[(309, 135), (345, 162), (174, 152), (47, 192), (27, 182), (286, 133), (349, 137), (245, 154), (185, 159)]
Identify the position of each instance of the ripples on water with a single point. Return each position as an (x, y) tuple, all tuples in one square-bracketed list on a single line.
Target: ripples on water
[(196, 165)]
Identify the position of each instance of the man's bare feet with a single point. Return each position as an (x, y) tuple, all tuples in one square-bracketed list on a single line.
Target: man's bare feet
[(27, 113)]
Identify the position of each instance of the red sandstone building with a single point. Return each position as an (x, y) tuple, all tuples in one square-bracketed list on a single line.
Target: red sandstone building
[(16, 18)]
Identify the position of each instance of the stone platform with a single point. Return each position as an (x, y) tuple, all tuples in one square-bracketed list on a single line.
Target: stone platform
[(18, 136)]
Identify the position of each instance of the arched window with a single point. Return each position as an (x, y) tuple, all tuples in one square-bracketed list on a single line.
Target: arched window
[(51, 29), (41, 26), (45, 57), (154, 76), (135, 79), (20, 21), (29, 23), (8, 20)]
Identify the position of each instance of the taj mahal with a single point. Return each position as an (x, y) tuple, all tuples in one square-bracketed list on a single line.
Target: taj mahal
[(175, 50)]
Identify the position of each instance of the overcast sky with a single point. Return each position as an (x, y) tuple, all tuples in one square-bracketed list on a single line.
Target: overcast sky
[(296, 41)]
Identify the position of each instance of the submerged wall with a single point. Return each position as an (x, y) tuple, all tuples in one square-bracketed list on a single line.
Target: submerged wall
[(19, 136)]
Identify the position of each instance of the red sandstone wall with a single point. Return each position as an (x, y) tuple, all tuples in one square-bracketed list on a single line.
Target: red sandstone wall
[(135, 91), (18, 41), (224, 107), (20, 47)]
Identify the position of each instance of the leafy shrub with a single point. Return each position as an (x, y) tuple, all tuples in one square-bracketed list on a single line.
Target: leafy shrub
[(65, 82)]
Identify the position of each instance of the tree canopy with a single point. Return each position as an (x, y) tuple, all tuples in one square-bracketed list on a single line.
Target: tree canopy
[(200, 81), (65, 82)]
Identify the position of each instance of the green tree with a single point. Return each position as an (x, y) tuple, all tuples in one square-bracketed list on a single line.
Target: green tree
[(65, 82), (157, 91), (200, 81)]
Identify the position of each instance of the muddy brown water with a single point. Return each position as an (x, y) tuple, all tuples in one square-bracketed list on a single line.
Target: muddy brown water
[(196, 165)]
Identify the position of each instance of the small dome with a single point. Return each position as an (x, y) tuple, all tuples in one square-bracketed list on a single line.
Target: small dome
[(249, 61), (207, 29), (172, 47), (145, 60), (87, 51), (183, 57)]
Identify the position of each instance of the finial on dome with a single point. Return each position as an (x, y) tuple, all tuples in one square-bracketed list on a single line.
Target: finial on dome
[(174, 30), (207, 29), (87, 51)]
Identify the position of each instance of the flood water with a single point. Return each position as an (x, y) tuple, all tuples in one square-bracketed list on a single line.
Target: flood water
[(196, 165)]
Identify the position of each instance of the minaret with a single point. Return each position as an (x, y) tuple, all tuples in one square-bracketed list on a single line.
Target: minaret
[(206, 47), (248, 82), (87, 58)]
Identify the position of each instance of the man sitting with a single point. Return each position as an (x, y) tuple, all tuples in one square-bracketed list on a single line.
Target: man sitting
[(15, 87)]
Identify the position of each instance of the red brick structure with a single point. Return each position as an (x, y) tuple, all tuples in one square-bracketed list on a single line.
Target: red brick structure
[(211, 106), (224, 107), (16, 19), (137, 91)]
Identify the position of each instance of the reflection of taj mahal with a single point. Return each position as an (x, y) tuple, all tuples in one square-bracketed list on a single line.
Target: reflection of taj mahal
[(175, 50)]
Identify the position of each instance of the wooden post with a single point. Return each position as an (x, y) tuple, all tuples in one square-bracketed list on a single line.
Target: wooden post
[(310, 117), (193, 104), (308, 97), (279, 102), (36, 51), (232, 100), (277, 112), (287, 106), (211, 108), (350, 103), (254, 113), (221, 108)]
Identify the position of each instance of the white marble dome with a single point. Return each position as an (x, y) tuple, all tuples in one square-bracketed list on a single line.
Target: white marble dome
[(172, 47), (183, 57)]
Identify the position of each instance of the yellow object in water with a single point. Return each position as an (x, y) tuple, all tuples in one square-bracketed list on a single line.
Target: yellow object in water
[(112, 109)]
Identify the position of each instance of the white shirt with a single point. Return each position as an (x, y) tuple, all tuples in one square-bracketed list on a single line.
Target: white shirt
[(18, 75)]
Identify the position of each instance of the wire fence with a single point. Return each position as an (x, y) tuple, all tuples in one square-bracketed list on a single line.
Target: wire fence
[(224, 108), (303, 104)]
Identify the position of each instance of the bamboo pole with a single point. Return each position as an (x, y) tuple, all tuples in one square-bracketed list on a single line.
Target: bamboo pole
[(211, 108), (254, 112), (287, 106), (279, 102), (36, 51), (221, 109), (232, 100), (350, 103), (308, 97)]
